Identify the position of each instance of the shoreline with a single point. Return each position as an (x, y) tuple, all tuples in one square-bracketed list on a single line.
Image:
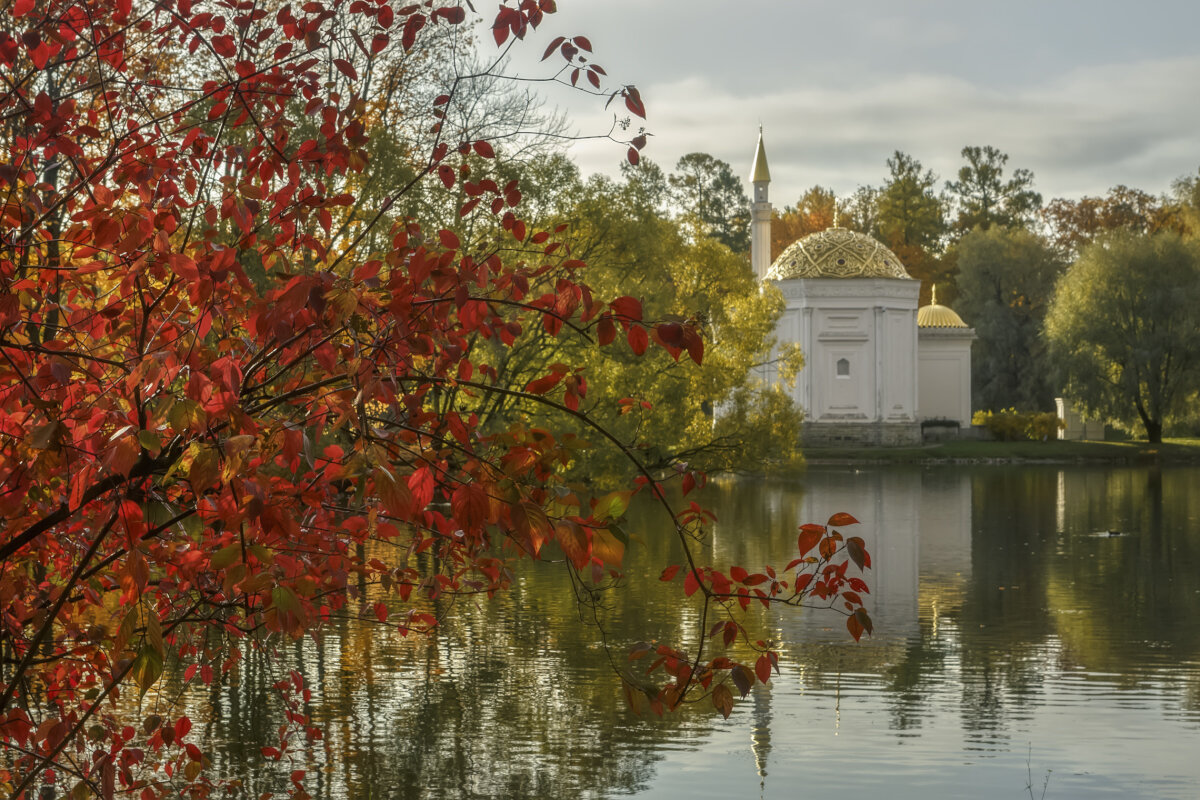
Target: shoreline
[(1130, 453)]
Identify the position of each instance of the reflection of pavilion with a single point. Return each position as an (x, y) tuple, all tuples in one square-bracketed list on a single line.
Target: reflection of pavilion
[(914, 523), (917, 526)]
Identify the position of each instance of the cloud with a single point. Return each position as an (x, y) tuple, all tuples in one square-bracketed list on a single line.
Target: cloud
[(1081, 132)]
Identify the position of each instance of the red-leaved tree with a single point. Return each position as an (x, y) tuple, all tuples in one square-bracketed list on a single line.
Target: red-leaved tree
[(228, 385)]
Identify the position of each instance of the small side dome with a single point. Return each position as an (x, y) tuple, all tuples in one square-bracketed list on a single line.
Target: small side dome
[(837, 253), (938, 316)]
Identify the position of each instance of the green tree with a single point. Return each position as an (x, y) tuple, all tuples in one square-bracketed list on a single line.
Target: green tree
[(1186, 191), (1124, 328), (984, 198), (910, 212), (711, 415), (707, 190), (1006, 277), (912, 221)]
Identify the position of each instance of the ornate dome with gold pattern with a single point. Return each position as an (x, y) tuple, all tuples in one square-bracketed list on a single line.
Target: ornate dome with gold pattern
[(837, 253), (937, 316)]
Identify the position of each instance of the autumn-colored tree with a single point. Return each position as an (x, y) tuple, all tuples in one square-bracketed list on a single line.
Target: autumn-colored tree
[(219, 387), (1186, 192), (814, 212), (1074, 224)]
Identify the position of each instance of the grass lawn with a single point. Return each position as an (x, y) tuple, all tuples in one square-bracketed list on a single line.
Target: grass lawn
[(1171, 451)]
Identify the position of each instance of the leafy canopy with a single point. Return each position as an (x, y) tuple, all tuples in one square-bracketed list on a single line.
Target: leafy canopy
[(242, 377), (1123, 329)]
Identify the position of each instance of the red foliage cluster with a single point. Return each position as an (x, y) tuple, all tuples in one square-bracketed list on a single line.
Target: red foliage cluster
[(217, 407)]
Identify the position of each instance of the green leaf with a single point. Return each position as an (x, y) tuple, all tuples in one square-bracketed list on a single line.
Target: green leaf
[(611, 506), (147, 667), (150, 442), (154, 635), (226, 556)]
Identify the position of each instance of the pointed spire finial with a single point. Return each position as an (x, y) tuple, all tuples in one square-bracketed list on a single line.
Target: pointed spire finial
[(837, 214), (759, 172), (933, 294)]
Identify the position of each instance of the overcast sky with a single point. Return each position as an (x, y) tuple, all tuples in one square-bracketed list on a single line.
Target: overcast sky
[(1086, 93)]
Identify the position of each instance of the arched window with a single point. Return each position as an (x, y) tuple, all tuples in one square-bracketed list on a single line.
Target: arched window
[(843, 368)]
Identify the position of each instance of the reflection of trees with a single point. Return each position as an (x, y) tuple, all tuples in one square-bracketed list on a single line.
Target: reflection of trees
[(512, 700), (515, 698), (1123, 604), (1003, 620)]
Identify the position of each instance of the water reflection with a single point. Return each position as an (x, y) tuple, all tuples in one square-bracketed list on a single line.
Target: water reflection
[(1010, 626)]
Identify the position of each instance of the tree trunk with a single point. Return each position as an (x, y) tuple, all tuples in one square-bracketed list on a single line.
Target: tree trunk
[(1153, 430)]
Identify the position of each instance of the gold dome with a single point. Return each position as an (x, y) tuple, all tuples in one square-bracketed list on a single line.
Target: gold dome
[(837, 253), (938, 316)]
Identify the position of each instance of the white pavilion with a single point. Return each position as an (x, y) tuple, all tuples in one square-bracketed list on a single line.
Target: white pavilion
[(875, 366)]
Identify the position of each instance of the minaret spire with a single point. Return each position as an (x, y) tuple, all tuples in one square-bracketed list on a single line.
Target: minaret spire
[(760, 212)]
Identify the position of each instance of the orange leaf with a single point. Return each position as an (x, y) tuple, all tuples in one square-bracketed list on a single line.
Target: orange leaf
[(841, 518), (722, 700), (573, 540)]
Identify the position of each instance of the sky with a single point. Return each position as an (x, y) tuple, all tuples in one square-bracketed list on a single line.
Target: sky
[(1087, 94)]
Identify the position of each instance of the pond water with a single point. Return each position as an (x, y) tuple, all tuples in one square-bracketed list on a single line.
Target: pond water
[(1018, 647)]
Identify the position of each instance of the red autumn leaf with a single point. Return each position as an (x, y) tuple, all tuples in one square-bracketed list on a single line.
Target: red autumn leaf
[(669, 573), (840, 519), (558, 40), (346, 68), (449, 239), (858, 552), (627, 307), (411, 27), (810, 536), (606, 331), (762, 668), (743, 679), (633, 101), (544, 384), (639, 340), (484, 149), (854, 626), (690, 583)]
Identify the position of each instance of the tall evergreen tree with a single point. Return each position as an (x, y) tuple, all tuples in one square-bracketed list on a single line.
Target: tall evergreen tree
[(910, 212), (708, 190), (984, 198)]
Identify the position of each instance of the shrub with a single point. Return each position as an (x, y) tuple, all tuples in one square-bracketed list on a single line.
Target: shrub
[(1011, 425)]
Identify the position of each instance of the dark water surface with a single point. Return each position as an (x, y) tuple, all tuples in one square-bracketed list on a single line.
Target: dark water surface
[(1016, 641)]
